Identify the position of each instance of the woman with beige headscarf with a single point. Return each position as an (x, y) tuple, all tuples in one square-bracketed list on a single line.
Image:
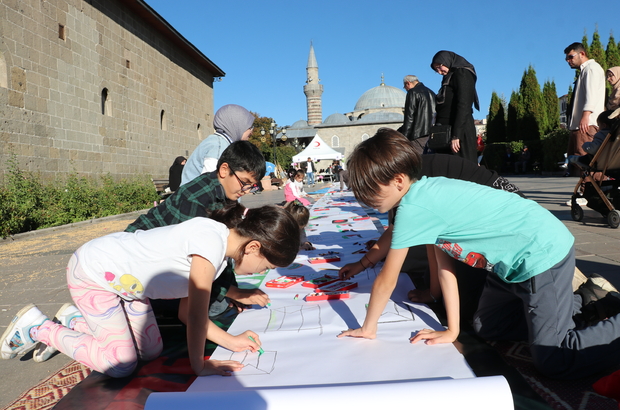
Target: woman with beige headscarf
[(613, 76)]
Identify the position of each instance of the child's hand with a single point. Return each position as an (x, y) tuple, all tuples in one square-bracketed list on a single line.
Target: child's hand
[(361, 333), (307, 246), (349, 270), (250, 297), (433, 337), (243, 342), (219, 367)]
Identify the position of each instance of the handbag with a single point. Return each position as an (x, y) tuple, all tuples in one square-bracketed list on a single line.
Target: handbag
[(440, 137)]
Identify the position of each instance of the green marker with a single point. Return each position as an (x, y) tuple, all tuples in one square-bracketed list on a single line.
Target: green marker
[(260, 349)]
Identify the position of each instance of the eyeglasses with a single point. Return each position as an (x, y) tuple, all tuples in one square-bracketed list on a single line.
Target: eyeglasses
[(245, 186), (571, 56)]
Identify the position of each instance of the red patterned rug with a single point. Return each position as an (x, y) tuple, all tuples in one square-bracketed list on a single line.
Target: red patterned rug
[(559, 394), (46, 394)]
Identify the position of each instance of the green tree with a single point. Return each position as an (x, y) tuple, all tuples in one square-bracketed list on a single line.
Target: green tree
[(496, 125), (264, 143), (612, 54), (534, 116), (513, 116), (596, 50), (584, 41), (552, 106)]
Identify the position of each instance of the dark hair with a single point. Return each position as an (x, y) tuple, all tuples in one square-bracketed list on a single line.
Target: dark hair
[(578, 47), (298, 172), (378, 160), (603, 118), (299, 212), (244, 156), (275, 229)]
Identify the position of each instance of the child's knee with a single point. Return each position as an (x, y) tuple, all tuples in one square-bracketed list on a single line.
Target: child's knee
[(124, 369), (151, 352)]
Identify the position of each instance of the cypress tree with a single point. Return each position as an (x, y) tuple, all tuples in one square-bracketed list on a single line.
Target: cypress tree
[(612, 55), (584, 41), (552, 106), (496, 125), (596, 50), (534, 116), (512, 117)]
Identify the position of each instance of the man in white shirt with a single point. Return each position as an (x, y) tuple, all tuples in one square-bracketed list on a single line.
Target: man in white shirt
[(310, 171), (587, 101)]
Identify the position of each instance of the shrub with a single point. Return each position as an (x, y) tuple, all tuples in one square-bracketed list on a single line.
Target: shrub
[(27, 204)]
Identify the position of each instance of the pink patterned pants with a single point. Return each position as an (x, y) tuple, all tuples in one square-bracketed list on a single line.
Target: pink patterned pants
[(113, 333)]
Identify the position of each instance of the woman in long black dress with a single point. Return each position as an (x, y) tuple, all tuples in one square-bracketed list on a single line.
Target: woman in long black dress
[(455, 100)]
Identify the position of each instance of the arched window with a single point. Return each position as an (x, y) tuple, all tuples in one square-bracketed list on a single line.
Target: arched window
[(335, 141), (365, 137), (106, 108), (199, 132), (163, 123)]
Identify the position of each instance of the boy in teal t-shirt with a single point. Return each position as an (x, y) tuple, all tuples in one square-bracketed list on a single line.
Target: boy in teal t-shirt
[(528, 252)]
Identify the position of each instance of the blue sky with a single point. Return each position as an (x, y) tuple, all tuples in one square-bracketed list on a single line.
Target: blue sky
[(263, 45)]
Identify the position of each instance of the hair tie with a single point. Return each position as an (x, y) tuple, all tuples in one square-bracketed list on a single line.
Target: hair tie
[(297, 202), (244, 213)]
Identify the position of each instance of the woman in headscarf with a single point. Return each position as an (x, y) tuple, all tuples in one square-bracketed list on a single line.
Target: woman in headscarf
[(613, 77), (232, 123), (455, 100), (174, 174)]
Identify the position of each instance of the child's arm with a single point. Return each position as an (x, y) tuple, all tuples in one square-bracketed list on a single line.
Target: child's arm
[(248, 296), (381, 291), (200, 328), (449, 288), (377, 252)]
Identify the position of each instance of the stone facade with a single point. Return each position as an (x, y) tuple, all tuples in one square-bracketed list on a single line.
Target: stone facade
[(97, 87)]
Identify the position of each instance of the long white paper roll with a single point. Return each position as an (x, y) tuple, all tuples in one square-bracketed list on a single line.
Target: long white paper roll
[(480, 393)]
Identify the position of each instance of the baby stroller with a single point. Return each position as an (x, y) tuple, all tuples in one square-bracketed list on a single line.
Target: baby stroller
[(602, 195)]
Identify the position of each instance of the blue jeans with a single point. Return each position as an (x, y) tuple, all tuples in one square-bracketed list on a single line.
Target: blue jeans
[(310, 178)]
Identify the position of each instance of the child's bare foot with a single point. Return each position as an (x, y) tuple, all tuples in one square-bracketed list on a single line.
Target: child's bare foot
[(421, 296)]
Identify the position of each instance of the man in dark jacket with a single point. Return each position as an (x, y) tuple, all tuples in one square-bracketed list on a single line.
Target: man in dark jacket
[(419, 112)]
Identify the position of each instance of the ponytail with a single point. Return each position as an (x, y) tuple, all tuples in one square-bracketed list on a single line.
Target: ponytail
[(274, 228)]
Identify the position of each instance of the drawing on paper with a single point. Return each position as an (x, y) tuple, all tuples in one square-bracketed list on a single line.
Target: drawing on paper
[(255, 364), (295, 318), (396, 313)]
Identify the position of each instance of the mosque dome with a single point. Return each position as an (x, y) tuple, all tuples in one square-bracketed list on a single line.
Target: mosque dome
[(381, 117), (336, 119), (300, 124), (383, 96)]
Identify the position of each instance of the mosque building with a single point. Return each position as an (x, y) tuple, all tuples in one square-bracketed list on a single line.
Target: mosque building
[(381, 106)]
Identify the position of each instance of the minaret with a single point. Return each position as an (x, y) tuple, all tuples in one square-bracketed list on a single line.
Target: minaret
[(313, 90)]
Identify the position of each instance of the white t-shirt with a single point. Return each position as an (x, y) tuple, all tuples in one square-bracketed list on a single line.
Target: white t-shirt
[(155, 263)]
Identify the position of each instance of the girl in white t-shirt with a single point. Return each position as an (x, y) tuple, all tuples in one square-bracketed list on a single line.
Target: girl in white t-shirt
[(112, 278)]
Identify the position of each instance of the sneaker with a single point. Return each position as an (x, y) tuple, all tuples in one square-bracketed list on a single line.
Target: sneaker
[(603, 283), (66, 316), (20, 335), (599, 310), (591, 292)]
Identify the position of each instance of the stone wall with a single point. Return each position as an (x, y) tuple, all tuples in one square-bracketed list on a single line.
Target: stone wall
[(93, 87)]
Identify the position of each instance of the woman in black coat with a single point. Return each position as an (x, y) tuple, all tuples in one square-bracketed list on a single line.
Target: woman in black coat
[(455, 100), (174, 174)]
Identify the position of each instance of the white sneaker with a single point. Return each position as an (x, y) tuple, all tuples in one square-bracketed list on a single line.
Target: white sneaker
[(66, 316), (20, 335)]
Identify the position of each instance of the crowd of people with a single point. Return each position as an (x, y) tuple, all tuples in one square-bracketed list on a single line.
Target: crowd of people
[(515, 259)]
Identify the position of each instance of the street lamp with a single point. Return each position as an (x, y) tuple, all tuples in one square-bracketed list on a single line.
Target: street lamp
[(273, 131)]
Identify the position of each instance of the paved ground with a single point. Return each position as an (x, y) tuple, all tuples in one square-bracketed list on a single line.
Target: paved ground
[(33, 264)]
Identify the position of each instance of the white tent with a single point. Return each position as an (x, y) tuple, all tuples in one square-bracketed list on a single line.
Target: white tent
[(317, 149)]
